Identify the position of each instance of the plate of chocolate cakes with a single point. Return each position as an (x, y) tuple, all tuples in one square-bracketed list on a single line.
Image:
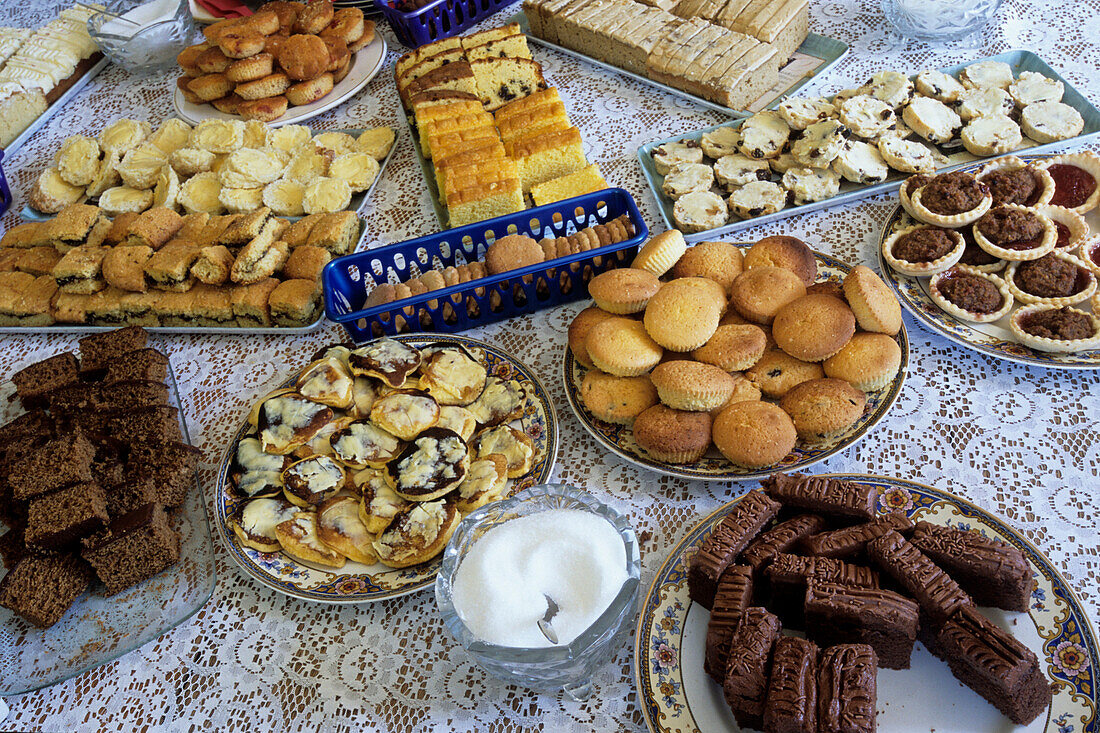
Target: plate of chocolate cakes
[(799, 605)]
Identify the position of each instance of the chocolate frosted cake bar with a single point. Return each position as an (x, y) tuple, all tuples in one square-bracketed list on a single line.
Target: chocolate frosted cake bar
[(887, 621), (846, 689), (40, 588), (136, 546), (994, 573), (733, 597), (789, 576), (845, 499), (726, 541), (990, 661), (62, 517), (938, 595), (780, 538), (792, 688), (851, 542), (746, 681)]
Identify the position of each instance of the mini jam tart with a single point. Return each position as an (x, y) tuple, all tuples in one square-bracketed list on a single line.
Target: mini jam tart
[(1013, 232), (1075, 180), (1071, 226), (1055, 279), (362, 445), (970, 295), (951, 200), (976, 257), (1012, 181), (311, 480), (1055, 329), (430, 466), (908, 187), (923, 250), (388, 360), (1089, 253)]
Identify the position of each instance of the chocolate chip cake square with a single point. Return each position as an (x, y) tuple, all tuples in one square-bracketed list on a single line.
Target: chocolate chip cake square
[(40, 588)]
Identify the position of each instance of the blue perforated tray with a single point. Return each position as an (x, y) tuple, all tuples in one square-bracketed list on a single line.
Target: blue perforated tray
[(348, 280)]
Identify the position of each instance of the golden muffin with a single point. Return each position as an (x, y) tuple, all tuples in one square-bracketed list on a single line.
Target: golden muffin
[(871, 300), (813, 327), (683, 316), (790, 253), (617, 399), (673, 436), (660, 253), (721, 262), (625, 290), (777, 372), (868, 362), (622, 346), (754, 434), (822, 409), (692, 385), (760, 292), (733, 347), (579, 327)]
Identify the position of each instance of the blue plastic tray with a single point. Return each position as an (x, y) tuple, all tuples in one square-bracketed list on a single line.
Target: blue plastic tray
[(348, 280), (438, 19)]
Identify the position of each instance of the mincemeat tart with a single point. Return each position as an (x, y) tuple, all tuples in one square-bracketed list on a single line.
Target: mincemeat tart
[(976, 257), (970, 295), (1071, 226), (1055, 329), (388, 360), (405, 413), (1014, 233), (1076, 176), (255, 526), (950, 200), (923, 250), (908, 187), (1089, 253), (429, 466), (339, 527), (361, 444), (1055, 279), (310, 481), (327, 381), (1012, 181)]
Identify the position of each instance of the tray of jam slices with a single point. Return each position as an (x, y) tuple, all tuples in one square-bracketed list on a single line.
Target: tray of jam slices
[(345, 484), (723, 361), (813, 152), (861, 603), (1002, 257)]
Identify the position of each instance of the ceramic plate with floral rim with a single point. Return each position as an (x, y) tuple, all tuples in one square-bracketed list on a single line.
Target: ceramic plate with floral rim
[(676, 695), (992, 339), (619, 439), (355, 582)]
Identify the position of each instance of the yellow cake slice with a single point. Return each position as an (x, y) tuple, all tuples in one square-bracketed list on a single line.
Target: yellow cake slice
[(513, 47), (490, 34), (500, 81), (457, 178), (426, 115), (444, 125), (548, 155), (485, 201), (448, 144), (551, 116), (411, 58), (577, 183), (529, 103)]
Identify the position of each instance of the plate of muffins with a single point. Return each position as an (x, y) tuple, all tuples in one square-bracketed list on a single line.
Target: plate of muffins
[(1002, 257), (727, 362)]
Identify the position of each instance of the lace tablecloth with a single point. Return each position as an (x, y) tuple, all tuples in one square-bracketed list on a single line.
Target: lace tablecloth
[(1021, 442)]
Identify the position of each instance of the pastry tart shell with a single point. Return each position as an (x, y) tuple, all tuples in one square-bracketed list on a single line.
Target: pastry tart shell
[(1078, 227), (1089, 253), (1046, 246), (952, 221), (922, 269), (1054, 346), (1087, 161), (961, 313), (1012, 163), (1030, 299)]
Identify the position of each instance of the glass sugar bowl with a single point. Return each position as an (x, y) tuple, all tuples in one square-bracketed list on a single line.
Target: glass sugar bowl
[(539, 587), (939, 20), (143, 37)]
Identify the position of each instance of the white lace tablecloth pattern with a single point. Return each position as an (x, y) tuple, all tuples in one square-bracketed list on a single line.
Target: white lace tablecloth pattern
[(1021, 442)]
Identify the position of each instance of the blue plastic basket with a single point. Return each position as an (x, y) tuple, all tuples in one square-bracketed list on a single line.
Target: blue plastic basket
[(438, 19), (348, 280), (5, 192)]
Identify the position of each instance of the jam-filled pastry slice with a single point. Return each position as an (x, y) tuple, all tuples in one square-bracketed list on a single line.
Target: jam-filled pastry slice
[(378, 504), (310, 481), (1055, 279), (970, 294), (1076, 176), (339, 527), (1015, 233), (923, 250), (299, 539), (1056, 330), (257, 473), (417, 534), (501, 401), (405, 413), (388, 360), (515, 445), (362, 445), (950, 200), (452, 377), (430, 466), (485, 481), (1012, 181), (289, 421), (328, 382), (255, 527), (458, 419)]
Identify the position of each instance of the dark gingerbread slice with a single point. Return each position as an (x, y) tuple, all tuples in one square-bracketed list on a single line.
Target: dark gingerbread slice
[(745, 520), (746, 682), (994, 573), (887, 621)]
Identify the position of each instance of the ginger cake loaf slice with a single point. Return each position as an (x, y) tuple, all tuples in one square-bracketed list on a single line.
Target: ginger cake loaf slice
[(485, 201), (551, 14), (577, 183), (674, 48), (499, 81), (548, 156), (742, 83), (782, 23), (637, 39)]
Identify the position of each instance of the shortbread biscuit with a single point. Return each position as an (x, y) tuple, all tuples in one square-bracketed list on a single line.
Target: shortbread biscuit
[(1048, 122)]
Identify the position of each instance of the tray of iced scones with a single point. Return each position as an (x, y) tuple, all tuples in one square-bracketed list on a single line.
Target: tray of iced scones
[(810, 153)]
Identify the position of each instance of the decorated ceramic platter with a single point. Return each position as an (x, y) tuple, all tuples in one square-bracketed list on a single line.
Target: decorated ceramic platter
[(368, 61), (992, 339), (356, 582), (675, 694), (619, 439)]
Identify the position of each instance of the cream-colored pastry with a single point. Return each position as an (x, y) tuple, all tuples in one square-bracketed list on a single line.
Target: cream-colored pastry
[(141, 166), (987, 74), (764, 135), (288, 137), (358, 169), (77, 160), (486, 480), (811, 184), (218, 136), (376, 142), (720, 142), (255, 527), (339, 527), (516, 446), (299, 539), (1032, 87), (172, 135), (122, 135), (251, 168), (866, 116), (931, 119), (124, 200), (861, 162), (166, 190), (801, 112), (201, 194)]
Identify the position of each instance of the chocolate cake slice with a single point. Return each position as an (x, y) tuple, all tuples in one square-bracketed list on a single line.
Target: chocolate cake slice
[(780, 538), (32, 383), (994, 664), (847, 500), (746, 682), (938, 595), (850, 543), (130, 494), (135, 546), (791, 705), (726, 541), (132, 394), (61, 518), (40, 588), (140, 364), (733, 597), (993, 572), (35, 424), (58, 463), (846, 689), (144, 424), (97, 350), (79, 398), (887, 621), (789, 576), (171, 467)]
